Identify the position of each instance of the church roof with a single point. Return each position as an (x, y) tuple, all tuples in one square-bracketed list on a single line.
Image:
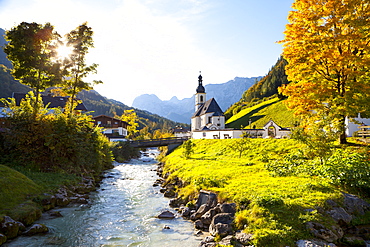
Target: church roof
[(200, 88), (210, 106)]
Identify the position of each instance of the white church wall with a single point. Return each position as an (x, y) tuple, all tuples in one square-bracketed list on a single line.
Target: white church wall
[(351, 127)]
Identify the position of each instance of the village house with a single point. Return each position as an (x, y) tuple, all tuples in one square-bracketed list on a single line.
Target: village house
[(181, 132), (115, 129)]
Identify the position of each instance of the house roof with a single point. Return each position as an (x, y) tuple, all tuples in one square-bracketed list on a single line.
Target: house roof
[(53, 101), (110, 118), (210, 106), (180, 130)]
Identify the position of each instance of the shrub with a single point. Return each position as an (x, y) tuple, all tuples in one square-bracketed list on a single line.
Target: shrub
[(122, 151), (55, 141)]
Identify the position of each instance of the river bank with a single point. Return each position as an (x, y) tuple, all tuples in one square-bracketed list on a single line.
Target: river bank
[(306, 207)]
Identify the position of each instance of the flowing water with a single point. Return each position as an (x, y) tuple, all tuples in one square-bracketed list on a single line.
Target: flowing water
[(122, 212)]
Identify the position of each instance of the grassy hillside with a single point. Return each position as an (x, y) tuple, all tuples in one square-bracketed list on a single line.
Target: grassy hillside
[(259, 114), (274, 208), (19, 189)]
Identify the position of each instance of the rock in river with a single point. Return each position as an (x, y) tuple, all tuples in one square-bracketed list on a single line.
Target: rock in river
[(166, 215)]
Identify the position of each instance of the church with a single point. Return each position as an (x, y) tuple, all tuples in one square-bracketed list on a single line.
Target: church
[(208, 115), (208, 121)]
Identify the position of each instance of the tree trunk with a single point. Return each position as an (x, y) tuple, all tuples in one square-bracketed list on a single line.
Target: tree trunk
[(343, 136)]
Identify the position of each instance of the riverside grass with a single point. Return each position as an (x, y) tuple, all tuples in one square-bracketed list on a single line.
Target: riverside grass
[(274, 209), (23, 186)]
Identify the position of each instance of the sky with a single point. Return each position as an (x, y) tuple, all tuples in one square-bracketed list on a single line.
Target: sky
[(160, 46)]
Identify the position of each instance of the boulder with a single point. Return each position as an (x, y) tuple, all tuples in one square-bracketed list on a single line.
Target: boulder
[(209, 241), (48, 202), (229, 208), (3, 238), (226, 240), (243, 238), (206, 197), (198, 224), (55, 214), (185, 212), (221, 225), (36, 229), (354, 205), (166, 215), (169, 193), (208, 216), (340, 216), (198, 214), (320, 231), (313, 243), (62, 199), (176, 202), (10, 228)]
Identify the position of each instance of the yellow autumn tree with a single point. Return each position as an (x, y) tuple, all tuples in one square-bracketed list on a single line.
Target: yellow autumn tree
[(130, 117), (327, 46)]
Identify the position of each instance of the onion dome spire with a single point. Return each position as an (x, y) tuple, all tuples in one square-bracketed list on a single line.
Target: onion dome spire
[(200, 88)]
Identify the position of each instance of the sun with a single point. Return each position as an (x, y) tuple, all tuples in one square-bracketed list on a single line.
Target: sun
[(64, 51)]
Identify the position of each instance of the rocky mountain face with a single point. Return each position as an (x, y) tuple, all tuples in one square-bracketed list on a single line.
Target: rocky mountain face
[(177, 110)]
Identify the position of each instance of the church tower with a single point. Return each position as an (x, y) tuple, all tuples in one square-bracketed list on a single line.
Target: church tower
[(200, 96)]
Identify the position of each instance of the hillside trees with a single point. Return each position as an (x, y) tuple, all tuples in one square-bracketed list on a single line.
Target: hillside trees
[(269, 84), (327, 46)]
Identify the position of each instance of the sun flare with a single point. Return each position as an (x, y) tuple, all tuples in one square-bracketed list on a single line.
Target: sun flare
[(64, 51)]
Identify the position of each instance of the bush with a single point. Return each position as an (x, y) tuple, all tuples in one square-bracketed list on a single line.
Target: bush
[(122, 151), (343, 168), (54, 141)]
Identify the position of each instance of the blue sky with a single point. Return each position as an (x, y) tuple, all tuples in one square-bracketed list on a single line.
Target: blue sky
[(159, 46)]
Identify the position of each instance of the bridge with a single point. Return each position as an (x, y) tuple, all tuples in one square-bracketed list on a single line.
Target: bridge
[(170, 142)]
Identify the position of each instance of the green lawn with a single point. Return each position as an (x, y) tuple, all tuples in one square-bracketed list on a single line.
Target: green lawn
[(272, 208)]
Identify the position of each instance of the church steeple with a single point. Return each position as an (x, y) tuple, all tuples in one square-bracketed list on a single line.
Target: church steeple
[(200, 88), (200, 96)]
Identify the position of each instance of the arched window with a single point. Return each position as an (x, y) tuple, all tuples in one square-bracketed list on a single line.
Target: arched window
[(201, 98)]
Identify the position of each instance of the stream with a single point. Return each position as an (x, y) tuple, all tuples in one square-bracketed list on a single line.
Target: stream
[(121, 212)]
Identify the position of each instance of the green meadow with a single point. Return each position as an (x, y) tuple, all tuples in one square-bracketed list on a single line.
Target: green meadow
[(271, 205), (259, 114)]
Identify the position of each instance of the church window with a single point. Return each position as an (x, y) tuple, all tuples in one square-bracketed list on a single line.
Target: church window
[(201, 98), (209, 119)]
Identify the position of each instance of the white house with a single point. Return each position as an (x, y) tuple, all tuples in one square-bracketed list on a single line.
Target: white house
[(270, 130), (115, 129), (181, 132), (352, 124)]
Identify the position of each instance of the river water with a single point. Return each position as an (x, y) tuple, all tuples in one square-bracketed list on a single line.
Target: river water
[(122, 212)]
